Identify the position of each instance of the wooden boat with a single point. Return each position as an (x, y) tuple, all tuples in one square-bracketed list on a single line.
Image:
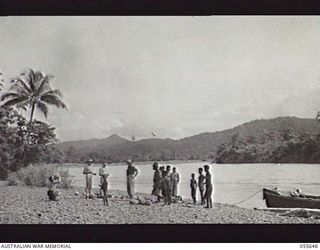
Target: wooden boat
[(274, 198)]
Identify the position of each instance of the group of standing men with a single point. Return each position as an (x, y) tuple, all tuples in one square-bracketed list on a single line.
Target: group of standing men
[(87, 171), (205, 187), (132, 172), (165, 183)]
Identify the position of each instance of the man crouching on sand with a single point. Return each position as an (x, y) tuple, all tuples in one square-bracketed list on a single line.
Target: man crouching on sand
[(53, 193)]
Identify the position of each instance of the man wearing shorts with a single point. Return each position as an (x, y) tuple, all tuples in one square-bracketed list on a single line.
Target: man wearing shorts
[(89, 174)]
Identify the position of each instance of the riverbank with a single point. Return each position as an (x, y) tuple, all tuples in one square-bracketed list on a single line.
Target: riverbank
[(27, 205)]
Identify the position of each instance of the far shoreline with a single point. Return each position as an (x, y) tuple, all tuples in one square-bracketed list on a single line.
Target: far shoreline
[(142, 163), (192, 161)]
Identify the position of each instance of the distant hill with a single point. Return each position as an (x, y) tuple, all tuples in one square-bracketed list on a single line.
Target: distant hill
[(77, 151), (111, 140), (203, 146), (282, 140)]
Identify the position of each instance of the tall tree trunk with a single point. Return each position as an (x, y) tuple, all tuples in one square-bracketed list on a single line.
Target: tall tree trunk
[(32, 111)]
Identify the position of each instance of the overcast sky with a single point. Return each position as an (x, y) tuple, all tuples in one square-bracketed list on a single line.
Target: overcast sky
[(174, 76)]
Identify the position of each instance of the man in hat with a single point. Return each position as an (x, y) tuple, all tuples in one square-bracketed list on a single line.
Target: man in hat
[(132, 172), (88, 172)]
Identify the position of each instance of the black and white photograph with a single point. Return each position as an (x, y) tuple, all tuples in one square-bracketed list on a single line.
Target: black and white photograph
[(159, 120)]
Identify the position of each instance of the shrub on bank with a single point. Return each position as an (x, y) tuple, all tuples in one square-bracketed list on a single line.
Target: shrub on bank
[(37, 176)]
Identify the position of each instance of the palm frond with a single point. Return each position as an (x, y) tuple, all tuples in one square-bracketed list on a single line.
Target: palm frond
[(43, 108), (23, 92), (15, 88), (39, 76), (19, 89), (9, 95), (32, 79), (20, 83), (15, 101), (55, 92), (45, 84), (53, 100), (23, 105)]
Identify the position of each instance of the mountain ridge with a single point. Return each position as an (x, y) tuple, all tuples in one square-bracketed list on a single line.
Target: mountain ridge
[(201, 146)]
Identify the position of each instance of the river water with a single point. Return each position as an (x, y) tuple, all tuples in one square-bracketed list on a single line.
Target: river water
[(232, 182)]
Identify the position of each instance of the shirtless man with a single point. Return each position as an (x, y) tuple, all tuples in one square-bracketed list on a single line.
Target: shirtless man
[(102, 172), (88, 172), (104, 187), (209, 187), (193, 186), (201, 180)]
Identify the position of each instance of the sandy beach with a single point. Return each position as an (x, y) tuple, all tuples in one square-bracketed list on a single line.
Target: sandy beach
[(30, 205)]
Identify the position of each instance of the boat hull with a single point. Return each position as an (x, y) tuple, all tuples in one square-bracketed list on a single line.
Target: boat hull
[(274, 199)]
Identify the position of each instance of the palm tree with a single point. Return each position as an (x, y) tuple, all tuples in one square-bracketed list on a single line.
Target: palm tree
[(32, 90), (1, 81)]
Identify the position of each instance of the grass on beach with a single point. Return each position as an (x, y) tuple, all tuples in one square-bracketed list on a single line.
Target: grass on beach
[(37, 176)]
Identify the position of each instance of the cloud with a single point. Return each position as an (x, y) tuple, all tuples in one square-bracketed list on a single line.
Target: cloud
[(173, 76)]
